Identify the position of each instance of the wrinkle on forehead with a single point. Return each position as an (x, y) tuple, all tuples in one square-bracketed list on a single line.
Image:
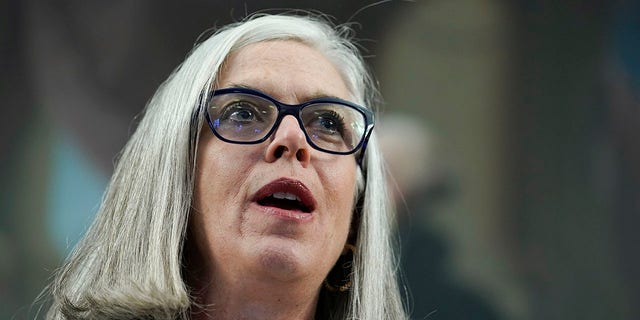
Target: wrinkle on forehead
[(288, 70)]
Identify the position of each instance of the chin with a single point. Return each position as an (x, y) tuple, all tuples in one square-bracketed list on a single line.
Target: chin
[(282, 259)]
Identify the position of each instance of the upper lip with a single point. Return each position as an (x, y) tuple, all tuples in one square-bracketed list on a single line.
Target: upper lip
[(290, 186)]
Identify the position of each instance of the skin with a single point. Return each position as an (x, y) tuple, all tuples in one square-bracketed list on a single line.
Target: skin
[(246, 264)]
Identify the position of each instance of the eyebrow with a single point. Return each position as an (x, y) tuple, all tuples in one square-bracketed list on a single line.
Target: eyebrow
[(317, 95)]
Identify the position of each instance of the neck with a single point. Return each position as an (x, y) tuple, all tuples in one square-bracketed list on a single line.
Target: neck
[(248, 299)]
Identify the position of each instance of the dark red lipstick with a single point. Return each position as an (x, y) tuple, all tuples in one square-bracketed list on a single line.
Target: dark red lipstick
[(286, 197)]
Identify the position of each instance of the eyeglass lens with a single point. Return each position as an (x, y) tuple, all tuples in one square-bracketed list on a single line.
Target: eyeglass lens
[(242, 117)]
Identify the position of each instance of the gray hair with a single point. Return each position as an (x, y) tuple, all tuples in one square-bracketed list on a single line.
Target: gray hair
[(130, 263)]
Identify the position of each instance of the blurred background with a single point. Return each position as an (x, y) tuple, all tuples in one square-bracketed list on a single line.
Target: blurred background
[(511, 129)]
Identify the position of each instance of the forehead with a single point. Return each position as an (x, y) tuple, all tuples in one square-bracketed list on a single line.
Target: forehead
[(288, 70)]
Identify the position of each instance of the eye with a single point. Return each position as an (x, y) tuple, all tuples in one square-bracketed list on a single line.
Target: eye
[(330, 122), (242, 115), (241, 111)]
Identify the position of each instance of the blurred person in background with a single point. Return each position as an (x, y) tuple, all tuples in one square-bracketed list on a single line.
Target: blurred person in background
[(420, 182)]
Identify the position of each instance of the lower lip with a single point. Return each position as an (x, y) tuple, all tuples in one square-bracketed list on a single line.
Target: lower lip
[(287, 215)]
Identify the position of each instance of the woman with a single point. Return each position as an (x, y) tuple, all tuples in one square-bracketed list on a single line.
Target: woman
[(252, 188)]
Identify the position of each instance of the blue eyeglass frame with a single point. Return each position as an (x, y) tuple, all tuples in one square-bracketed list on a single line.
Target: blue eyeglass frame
[(294, 110)]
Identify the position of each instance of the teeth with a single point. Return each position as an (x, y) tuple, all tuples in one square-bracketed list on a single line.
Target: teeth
[(286, 195)]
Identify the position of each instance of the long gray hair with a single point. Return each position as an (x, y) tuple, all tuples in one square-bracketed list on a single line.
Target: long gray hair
[(130, 263)]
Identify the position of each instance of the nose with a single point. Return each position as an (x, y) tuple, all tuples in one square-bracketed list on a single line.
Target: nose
[(289, 142)]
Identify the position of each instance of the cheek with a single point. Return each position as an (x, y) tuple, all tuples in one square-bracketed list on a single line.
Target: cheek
[(210, 188), (343, 178), (221, 169), (219, 191), (218, 184), (340, 183)]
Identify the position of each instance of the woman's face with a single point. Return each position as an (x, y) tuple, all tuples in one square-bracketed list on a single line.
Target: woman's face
[(240, 229)]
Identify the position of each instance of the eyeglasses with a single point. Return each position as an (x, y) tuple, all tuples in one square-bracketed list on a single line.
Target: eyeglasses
[(245, 116)]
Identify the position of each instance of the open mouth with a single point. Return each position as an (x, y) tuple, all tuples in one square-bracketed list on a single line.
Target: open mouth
[(286, 194), (285, 201)]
